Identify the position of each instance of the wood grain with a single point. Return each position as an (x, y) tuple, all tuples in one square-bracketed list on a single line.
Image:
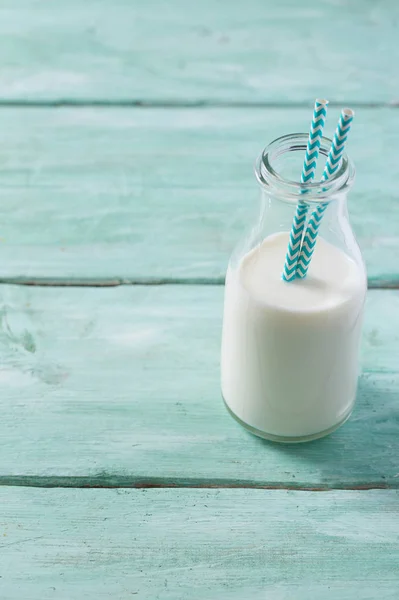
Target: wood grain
[(120, 386), (175, 544), (209, 51), (105, 195)]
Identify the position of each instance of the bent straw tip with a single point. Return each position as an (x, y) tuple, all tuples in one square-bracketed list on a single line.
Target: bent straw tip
[(348, 113)]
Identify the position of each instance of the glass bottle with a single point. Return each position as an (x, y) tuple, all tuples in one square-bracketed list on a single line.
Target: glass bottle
[(289, 364)]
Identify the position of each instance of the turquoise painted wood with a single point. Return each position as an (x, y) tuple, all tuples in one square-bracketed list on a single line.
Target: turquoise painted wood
[(254, 51), (120, 386), (200, 544), (153, 194)]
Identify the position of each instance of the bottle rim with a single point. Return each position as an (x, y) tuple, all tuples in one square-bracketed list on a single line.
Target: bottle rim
[(294, 191)]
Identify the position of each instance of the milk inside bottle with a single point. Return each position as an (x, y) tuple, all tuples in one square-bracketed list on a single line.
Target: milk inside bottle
[(289, 364)]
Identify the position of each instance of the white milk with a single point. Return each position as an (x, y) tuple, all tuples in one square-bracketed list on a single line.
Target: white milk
[(290, 350)]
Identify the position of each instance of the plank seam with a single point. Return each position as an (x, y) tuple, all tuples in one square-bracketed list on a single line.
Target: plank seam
[(110, 482), (175, 103), (373, 284)]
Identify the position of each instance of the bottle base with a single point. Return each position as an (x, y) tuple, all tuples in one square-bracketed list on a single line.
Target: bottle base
[(282, 439)]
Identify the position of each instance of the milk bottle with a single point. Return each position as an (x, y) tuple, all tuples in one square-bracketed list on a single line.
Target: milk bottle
[(289, 364)]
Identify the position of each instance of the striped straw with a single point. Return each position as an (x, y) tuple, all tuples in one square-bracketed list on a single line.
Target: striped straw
[(308, 171), (332, 164)]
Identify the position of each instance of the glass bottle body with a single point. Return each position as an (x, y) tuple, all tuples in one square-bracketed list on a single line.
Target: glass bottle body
[(289, 361)]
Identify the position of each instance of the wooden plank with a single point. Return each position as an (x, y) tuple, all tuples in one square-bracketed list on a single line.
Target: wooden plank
[(120, 386), (133, 195), (175, 544), (255, 51)]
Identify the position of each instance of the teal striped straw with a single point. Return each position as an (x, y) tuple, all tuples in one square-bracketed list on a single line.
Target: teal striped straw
[(308, 171), (332, 164)]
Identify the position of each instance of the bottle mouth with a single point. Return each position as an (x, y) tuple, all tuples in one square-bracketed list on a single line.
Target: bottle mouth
[(274, 177)]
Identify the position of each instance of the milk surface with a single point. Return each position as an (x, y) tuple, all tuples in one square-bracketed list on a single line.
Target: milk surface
[(290, 349)]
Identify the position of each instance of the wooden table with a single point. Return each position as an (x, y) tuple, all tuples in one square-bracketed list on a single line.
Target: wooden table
[(128, 131)]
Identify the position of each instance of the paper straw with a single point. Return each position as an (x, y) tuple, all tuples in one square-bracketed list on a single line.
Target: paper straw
[(332, 164), (308, 171)]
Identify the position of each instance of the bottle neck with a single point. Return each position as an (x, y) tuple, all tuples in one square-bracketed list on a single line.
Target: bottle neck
[(277, 171)]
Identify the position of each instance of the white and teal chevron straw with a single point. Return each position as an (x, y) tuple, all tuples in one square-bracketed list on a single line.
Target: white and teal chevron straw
[(332, 164), (308, 171)]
